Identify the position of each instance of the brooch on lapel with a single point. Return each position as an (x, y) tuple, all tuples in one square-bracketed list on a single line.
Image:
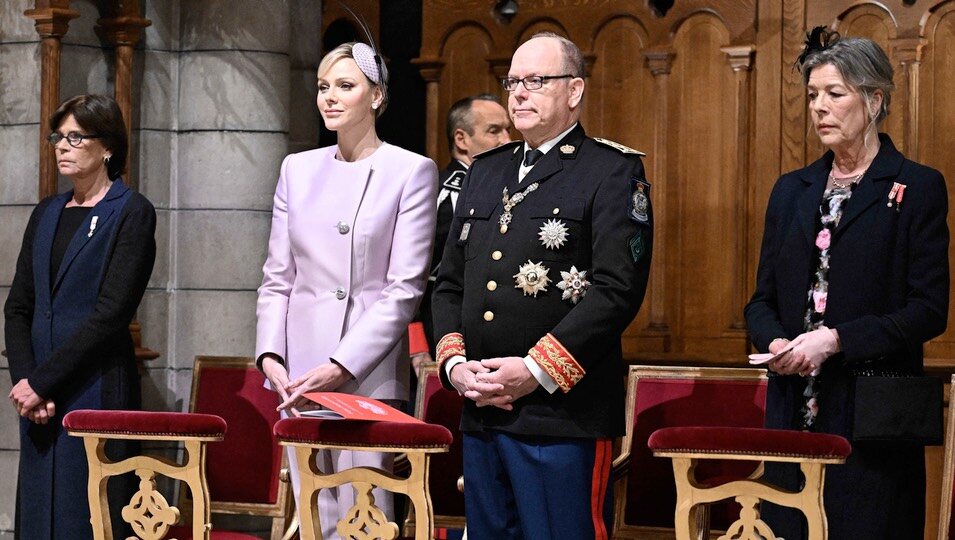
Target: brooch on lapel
[(532, 278), (92, 227), (553, 234), (895, 195), (574, 284)]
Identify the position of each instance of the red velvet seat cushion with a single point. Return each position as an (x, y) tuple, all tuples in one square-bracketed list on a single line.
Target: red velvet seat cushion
[(185, 533), (150, 423), (362, 433), (443, 407), (740, 440)]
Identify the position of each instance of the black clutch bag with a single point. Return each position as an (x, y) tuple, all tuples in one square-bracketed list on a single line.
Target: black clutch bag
[(902, 409)]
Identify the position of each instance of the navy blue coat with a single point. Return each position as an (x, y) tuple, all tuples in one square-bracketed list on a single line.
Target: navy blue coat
[(70, 339), (888, 295)]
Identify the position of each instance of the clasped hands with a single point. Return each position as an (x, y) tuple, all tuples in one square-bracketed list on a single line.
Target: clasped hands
[(497, 382), (30, 405), (324, 378), (807, 352)]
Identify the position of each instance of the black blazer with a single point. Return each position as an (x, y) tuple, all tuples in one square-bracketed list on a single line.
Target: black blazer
[(888, 276), (587, 186)]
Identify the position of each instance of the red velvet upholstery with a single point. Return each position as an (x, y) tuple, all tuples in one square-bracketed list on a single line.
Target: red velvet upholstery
[(185, 533), (736, 440), (145, 423), (360, 433), (443, 407), (237, 394), (682, 401)]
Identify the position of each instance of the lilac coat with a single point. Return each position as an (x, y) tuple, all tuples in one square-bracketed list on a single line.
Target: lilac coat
[(347, 264)]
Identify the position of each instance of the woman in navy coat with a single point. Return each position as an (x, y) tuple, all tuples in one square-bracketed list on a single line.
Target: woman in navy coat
[(853, 279), (87, 255)]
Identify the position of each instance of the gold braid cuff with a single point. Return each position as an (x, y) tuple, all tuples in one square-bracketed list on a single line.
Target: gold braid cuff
[(553, 358), (450, 345)]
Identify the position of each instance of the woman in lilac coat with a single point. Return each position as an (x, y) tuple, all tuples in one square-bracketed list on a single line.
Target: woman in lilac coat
[(348, 259)]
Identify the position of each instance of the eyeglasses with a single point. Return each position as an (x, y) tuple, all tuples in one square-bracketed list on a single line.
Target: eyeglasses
[(73, 138), (534, 82)]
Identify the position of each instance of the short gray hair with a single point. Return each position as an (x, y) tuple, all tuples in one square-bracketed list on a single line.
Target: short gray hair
[(864, 66), (573, 59), (460, 117)]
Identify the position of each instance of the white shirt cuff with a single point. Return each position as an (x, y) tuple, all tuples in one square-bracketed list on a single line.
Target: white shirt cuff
[(450, 363), (542, 377)]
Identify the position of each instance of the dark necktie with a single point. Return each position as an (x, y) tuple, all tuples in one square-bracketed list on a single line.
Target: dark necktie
[(531, 157)]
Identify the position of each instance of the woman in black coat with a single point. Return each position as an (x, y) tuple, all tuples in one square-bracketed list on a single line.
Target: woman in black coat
[(87, 255), (853, 279)]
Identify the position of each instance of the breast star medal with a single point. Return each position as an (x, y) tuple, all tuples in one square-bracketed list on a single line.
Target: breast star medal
[(511, 202), (553, 234), (532, 278), (574, 284)]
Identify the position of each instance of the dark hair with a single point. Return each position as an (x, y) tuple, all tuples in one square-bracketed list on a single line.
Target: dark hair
[(861, 62), (460, 117), (98, 115)]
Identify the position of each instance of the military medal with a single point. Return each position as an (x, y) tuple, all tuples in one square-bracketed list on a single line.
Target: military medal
[(532, 278), (511, 202), (553, 234), (465, 229), (896, 194), (574, 284)]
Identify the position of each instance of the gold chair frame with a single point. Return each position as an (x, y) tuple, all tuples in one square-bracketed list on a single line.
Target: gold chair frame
[(283, 511), (365, 520), (148, 512), (948, 470), (623, 530)]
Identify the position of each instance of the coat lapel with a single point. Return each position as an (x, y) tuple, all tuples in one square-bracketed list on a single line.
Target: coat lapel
[(807, 206), (102, 212), (43, 245)]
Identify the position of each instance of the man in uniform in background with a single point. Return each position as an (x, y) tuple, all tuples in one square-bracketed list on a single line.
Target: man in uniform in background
[(546, 264), (475, 124)]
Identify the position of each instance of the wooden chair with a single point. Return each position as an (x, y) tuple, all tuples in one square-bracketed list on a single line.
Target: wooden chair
[(243, 471), (364, 520), (946, 530), (148, 511), (644, 491), (436, 405), (689, 447)]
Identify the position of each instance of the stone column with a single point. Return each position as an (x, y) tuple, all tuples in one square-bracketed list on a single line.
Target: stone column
[(232, 125)]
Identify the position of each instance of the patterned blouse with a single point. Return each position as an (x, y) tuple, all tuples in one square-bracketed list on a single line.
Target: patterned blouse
[(830, 212)]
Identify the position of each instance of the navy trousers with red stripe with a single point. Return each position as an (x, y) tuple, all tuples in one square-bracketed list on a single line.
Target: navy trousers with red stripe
[(545, 488)]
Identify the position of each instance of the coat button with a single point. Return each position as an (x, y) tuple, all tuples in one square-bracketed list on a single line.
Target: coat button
[(488, 316), (497, 255), (556, 211), (491, 285), (471, 212), (340, 293), (343, 227)]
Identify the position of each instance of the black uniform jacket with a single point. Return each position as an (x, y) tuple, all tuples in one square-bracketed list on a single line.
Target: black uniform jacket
[(480, 313), (888, 278)]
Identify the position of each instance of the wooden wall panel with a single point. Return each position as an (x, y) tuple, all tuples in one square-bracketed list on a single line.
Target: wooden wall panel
[(703, 243), (937, 135)]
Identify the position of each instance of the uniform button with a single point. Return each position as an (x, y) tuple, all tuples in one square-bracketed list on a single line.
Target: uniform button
[(471, 212), (488, 316), (343, 227), (497, 255), (556, 211), (340, 293), (491, 285)]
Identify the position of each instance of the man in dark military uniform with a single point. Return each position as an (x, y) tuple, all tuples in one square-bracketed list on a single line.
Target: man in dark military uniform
[(475, 124), (546, 264)]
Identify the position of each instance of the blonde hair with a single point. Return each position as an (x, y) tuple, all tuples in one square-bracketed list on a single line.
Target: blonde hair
[(345, 51)]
